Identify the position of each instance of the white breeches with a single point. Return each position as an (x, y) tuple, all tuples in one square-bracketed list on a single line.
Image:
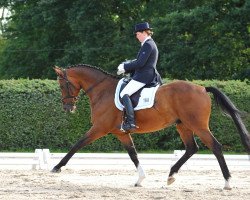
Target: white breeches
[(132, 87)]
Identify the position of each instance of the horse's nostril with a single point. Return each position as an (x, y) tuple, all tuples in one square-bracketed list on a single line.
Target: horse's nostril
[(69, 108)]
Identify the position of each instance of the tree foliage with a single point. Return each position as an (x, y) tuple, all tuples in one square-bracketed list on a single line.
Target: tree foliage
[(208, 41), (205, 39)]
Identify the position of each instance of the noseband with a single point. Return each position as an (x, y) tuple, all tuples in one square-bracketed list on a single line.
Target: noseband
[(69, 91)]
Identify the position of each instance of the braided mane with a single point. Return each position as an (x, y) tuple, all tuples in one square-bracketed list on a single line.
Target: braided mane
[(95, 68)]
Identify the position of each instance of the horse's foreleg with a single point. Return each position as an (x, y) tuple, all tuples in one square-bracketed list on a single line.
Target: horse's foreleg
[(191, 148), (88, 138), (127, 142)]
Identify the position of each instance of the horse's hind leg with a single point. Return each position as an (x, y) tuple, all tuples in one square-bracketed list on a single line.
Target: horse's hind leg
[(191, 148), (127, 142), (210, 141)]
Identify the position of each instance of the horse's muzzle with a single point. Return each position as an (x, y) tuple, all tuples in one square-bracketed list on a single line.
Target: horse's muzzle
[(69, 108)]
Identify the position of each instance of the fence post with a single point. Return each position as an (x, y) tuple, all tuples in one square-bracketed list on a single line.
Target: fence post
[(39, 158), (46, 158)]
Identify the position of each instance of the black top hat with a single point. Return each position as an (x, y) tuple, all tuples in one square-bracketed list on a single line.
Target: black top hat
[(142, 27)]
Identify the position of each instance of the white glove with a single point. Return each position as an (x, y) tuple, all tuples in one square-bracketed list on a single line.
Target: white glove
[(121, 69)]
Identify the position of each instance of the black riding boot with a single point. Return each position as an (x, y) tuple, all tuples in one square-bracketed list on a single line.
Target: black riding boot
[(129, 123)]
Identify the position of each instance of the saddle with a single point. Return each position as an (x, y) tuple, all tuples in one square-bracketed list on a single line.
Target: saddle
[(142, 99)]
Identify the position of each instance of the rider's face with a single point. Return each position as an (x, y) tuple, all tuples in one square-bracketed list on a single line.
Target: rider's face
[(141, 36)]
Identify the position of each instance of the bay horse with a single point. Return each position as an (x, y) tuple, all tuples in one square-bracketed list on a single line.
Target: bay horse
[(180, 103)]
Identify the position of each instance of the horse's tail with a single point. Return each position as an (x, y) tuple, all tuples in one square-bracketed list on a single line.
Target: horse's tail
[(230, 110)]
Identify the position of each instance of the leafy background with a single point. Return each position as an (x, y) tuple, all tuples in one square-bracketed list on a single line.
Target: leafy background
[(206, 39), (32, 117)]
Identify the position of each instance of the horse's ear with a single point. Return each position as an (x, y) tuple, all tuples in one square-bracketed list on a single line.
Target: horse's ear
[(58, 71)]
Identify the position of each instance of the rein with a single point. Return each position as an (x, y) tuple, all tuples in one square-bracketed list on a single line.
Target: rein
[(93, 86)]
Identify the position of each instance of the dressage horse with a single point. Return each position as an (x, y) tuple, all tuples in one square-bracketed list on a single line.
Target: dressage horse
[(180, 103)]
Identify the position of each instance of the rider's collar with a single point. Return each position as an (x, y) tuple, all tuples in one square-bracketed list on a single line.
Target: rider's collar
[(145, 40)]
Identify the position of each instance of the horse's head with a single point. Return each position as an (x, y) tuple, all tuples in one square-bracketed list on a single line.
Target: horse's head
[(69, 89)]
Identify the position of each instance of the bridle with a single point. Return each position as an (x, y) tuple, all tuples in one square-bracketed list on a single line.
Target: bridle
[(69, 85), (69, 91)]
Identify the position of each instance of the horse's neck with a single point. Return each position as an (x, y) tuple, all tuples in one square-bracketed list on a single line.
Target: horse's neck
[(97, 84), (88, 78)]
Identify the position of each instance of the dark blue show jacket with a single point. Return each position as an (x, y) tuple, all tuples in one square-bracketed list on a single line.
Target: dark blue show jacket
[(143, 69)]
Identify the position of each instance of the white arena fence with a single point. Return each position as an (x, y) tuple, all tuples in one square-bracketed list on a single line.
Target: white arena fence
[(43, 159)]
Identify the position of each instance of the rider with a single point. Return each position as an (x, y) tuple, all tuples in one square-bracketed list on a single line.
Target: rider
[(143, 71)]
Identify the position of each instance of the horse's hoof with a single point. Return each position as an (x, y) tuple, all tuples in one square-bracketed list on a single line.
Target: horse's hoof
[(227, 185), (171, 179), (138, 185), (227, 188), (55, 170)]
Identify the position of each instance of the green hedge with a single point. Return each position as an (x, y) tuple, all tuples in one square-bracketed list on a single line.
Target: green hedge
[(31, 117)]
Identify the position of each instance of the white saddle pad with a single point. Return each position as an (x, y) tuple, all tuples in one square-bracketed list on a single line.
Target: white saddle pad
[(146, 99)]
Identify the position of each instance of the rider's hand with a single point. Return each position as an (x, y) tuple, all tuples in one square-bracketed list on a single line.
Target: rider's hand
[(121, 69)]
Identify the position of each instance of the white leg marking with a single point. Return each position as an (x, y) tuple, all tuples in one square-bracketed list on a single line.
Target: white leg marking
[(141, 174), (227, 185)]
